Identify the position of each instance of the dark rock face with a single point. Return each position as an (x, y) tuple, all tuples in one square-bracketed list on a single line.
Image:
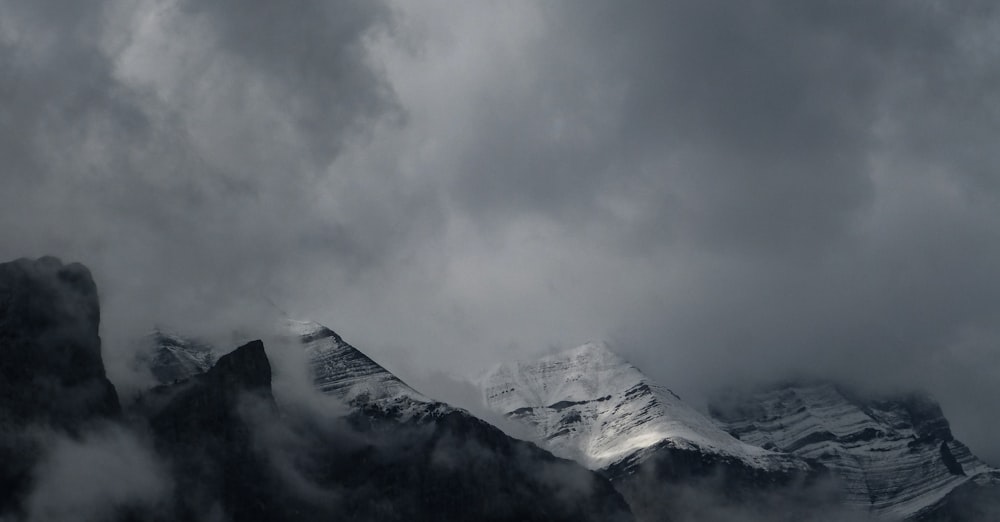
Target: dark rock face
[(208, 403), (452, 466), (432, 461), (200, 425), (405, 459), (51, 371)]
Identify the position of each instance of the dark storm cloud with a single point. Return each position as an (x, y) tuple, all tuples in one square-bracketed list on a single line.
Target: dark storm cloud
[(725, 190), (821, 174), (182, 150), (312, 55), (747, 127), (736, 192)]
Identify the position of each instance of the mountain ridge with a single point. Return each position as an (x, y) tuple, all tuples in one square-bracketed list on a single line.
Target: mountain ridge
[(895, 452), (403, 439), (558, 393)]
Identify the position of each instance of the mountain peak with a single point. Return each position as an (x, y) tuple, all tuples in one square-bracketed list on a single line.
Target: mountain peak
[(247, 367), (594, 349), (591, 405), (310, 329), (342, 370)]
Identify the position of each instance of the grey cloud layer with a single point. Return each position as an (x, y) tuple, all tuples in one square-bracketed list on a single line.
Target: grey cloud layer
[(726, 191)]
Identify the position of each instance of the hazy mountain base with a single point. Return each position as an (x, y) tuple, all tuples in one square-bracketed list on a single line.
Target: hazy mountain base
[(894, 453), (665, 483), (708, 500)]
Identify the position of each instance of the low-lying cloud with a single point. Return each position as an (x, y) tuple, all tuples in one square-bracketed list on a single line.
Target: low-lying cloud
[(100, 476)]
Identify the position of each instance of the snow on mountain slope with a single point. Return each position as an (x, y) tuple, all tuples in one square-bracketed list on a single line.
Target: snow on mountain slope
[(341, 370), (590, 405), (896, 456), (171, 357), (338, 369)]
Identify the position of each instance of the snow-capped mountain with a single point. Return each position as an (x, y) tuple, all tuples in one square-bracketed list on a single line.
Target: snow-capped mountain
[(896, 456), (338, 369), (343, 371), (590, 405), (401, 451)]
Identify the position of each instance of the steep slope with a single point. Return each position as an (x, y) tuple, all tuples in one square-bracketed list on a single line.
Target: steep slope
[(896, 456), (51, 371), (343, 371), (669, 461), (590, 405), (201, 426), (397, 454), (462, 465)]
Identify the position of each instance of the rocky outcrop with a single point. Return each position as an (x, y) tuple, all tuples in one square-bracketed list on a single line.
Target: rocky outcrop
[(51, 371), (394, 455), (205, 427), (209, 402)]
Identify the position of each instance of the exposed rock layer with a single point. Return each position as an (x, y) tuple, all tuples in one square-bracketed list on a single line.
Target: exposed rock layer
[(896, 456)]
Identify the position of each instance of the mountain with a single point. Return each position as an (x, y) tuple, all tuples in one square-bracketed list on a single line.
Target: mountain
[(201, 425), (51, 369), (397, 454), (229, 450), (590, 405), (896, 455), (51, 372), (224, 449), (343, 371)]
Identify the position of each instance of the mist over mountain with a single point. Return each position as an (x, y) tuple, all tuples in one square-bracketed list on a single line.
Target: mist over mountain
[(215, 444), (729, 195), (781, 451), (218, 434)]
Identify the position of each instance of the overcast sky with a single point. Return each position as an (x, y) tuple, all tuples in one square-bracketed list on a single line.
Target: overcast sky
[(726, 191)]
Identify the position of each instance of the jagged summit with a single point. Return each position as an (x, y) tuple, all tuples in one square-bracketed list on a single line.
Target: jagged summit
[(591, 405), (230, 451), (895, 454), (342, 370), (246, 367), (338, 368)]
